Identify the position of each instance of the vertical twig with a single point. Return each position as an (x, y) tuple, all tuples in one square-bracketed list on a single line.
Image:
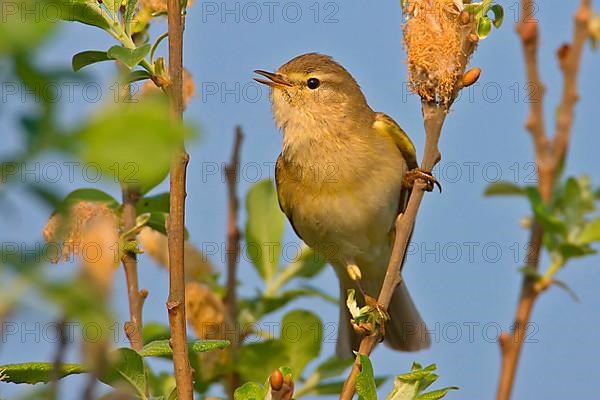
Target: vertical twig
[(130, 196), (233, 251), (176, 221), (133, 327), (59, 356), (89, 387), (549, 155)]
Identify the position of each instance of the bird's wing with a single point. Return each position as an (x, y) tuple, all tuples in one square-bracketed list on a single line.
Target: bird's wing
[(280, 176), (386, 126)]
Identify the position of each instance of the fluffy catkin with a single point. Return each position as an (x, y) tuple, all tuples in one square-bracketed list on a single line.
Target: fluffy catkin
[(432, 37)]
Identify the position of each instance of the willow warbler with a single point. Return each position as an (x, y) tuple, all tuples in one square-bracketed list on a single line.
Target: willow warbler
[(340, 183)]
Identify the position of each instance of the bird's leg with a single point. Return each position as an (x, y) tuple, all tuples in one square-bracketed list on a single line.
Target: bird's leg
[(411, 176), (382, 315), (355, 274)]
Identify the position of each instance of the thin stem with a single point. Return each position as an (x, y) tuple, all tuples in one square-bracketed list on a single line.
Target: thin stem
[(155, 45), (89, 387), (59, 356), (176, 221), (549, 155), (133, 327), (233, 251)]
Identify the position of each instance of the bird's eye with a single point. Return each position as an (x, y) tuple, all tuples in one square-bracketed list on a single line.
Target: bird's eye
[(313, 83)]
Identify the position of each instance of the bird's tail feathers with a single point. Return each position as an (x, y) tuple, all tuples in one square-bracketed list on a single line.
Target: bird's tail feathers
[(406, 330)]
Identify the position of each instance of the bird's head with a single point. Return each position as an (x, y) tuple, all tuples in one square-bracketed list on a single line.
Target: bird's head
[(314, 89)]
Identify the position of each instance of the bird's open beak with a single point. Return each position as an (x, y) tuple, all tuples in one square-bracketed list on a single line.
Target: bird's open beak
[(274, 81)]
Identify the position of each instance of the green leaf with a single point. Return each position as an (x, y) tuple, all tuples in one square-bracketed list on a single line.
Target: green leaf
[(262, 305), (158, 222), (417, 373), (129, 57), (548, 221), (498, 15), (264, 228), (311, 263), (89, 195), (404, 390), (113, 7), (269, 355), (299, 342), (161, 386), (571, 250), (590, 232), (133, 143), (127, 366), (88, 12), (427, 381), (436, 394), (129, 10), (503, 188), (156, 203), (308, 264), (173, 395), (302, 334), (577, 193), (365, 381), (484, 27), (22, 30), (85, 58), (410, 386), (36, 372), (138, 75), (161, 348), (155, 331), (250, 391)]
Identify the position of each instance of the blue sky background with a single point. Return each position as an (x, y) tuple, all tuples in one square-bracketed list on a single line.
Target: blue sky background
[(483, 140)]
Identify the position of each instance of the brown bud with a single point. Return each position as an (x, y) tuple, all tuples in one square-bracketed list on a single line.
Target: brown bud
[(528, 30), (464, 17), (276, 380), (471, 76), (563, 52)]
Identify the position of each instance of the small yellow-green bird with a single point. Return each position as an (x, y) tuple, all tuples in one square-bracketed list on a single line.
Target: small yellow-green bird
[(340, 182)]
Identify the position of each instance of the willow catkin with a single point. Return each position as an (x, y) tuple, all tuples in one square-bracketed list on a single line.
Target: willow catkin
[(432, 37)]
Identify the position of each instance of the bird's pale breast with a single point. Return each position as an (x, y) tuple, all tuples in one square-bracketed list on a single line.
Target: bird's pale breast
[(343, 199)]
